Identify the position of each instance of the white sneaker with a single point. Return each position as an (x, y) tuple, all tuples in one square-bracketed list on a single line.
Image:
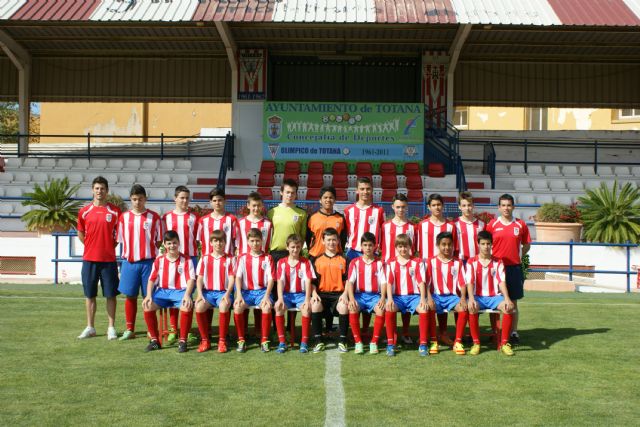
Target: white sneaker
[(87, 333), (112, 334)]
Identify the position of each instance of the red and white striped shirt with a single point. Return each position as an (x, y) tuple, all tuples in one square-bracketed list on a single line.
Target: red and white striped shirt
[(168, 274), (255, 271), (485, 280), (294, 277), (367, 276), (139, 234), (390, 230), (227, 223), (427, 232), (215, 271), (467, 234), (186, 225), (360, 221), (405, 278), (244, 225), (445, 278)]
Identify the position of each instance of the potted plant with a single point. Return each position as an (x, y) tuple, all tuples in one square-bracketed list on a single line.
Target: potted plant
[(55, 210), (556, 222), (611, 215)]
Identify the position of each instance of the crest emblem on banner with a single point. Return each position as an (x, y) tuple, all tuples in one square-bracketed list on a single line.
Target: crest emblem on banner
[(252, 67), (273, 150), (275, 127)]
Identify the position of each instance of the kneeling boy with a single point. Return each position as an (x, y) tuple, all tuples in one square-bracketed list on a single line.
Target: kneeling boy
[(170, 286), (488, 290)]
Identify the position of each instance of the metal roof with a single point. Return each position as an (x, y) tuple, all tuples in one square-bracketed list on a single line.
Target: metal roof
[(595, 12), (506, 12)]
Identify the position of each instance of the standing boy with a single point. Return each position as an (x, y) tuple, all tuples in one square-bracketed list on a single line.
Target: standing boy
[(170, 286), (219, 219), (294, 275), (406, 293), (367, 292), (322, 219), (139, 231), (97, 224), (362, 216), (467, 228), (287, 219), (255, 219), (511, 240), (254, 282), (487, 290), (215, 284)]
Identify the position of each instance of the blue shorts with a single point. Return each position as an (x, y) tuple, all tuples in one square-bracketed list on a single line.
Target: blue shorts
[(445, 302), (105, 272), (352, 254), (406, 303), (489, 303), (134, 277), (214, 297), (367, 301), (513, 277), (293, 300), (255, 297), (168, 298)]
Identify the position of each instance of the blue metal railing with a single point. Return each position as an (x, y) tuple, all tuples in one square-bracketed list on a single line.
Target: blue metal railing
[(571, 270), (227, 160), (442, 144)]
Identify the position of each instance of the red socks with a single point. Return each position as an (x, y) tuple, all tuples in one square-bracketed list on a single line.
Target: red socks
[(432, 326), (280, 328), (390, 318), (461, 322), (507, 320), (186, 317), (152, 324), (354, 321), (173, 318), (239, 319), (223, 320), (266, 325), (203, 325), (406, 322), (474, 327), (423, 326), (306, 328), (378, 323), (130, 311)]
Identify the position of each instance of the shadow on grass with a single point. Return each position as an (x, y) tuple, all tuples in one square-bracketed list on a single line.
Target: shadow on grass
[(542, 338)]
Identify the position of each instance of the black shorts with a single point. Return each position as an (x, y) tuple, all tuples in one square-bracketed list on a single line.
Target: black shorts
[(106, 273), (515, 283), (329, 302)]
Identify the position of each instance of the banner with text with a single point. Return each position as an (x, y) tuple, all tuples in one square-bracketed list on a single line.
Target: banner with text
[(343, 131)]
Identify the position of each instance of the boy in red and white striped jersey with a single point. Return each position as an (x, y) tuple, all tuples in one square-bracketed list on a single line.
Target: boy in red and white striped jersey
[(406, 293), (219, 219), (170, 286), (139, 231), (361, 217), (366, 285), (427, 246), (184, 223), (398, 225), (487, 289), (294, 275), (446, 283), (467, 228), (215, 284), (255, 219), (255, 273)]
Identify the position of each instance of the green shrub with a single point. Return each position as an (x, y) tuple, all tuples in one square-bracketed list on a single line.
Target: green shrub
[(557, 212), (54, 208)]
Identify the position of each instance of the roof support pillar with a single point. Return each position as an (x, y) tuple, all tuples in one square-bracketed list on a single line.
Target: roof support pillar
[(454, 54), (232, 55), (22, 61)]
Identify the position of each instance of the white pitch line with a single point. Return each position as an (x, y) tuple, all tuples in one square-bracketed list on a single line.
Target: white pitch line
[(581, 303), (41, 298), (334, 392)]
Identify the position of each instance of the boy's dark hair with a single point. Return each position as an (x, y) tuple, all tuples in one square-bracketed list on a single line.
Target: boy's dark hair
[(367, 236), (329, 231), (363, 180), (137, 190), (293, 238), (444, 235), (170, 235), (254, 196), (399, 197), (329, 188), (216, 192), (434, 196), (218, 235), (255, 233), (100, 180), (402, 240), (465, 195), (289, 183), (506, 197), (181, 189), (485, 235)]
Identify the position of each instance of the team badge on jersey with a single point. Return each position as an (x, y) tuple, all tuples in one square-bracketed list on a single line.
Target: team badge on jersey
[(180, 270), (146, 225), (225, 228), (370, 220), (412, 271), (516, 231), (295, 218), (265, 264), (300, 274), (263, 230), (109, 217), (190, 221), (337, 224)]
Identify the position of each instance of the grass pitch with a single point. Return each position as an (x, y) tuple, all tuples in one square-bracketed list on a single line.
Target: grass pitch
[(577, 365)]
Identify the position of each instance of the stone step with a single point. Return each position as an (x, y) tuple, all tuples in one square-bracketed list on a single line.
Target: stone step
[(549, 285)]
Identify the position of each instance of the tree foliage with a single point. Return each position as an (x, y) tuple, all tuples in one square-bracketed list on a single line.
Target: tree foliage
[(54, 207)]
